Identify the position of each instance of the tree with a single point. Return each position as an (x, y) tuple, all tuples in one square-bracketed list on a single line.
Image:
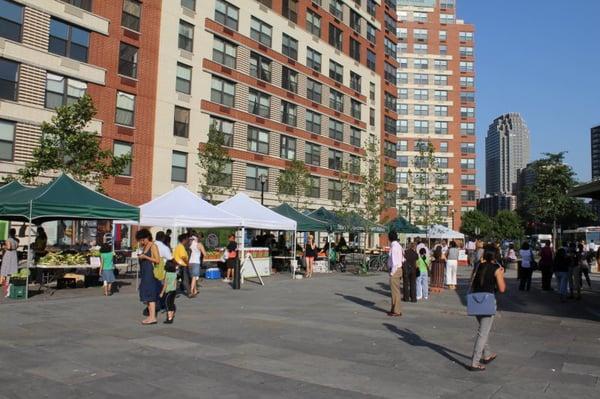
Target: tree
[(507, 225), (214, 161), (373, 184), (476, 223), (66, 146), (293, 182)]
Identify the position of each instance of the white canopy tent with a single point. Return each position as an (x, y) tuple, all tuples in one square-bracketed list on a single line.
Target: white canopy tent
[(439, 232), (256, 216)]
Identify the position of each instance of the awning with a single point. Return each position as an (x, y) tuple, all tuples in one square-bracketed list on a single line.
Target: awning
[(402, 226), (304, 223)]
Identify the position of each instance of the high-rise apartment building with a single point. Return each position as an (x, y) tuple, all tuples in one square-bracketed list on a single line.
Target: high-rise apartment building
[(436, 104), (506, 153), (595, 148), (281, 79)]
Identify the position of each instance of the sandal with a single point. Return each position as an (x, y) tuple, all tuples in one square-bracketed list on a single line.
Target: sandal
[(489, 359), (476, 368)]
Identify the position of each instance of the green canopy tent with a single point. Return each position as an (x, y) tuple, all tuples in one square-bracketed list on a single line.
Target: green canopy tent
[(328, 217), (11, 188), (304, 222), (356, 223), (402, 226)]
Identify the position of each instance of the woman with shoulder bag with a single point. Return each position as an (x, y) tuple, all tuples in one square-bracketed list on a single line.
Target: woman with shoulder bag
[(487, 279)]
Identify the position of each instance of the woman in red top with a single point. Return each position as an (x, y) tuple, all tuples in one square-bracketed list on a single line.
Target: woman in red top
[(547, 265)]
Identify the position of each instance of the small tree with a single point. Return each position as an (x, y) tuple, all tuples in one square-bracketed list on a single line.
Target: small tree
[(507, 225), (66, 146), (293, 182), (476, 223), (213, 160)]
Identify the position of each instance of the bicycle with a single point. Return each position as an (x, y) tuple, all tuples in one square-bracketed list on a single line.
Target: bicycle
[(378, 263)]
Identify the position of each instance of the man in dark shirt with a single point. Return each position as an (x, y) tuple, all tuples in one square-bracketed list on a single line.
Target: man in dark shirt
[(409, 274)]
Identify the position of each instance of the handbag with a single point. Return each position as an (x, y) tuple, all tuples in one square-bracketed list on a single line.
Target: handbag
[(159, 270), (480, 303)]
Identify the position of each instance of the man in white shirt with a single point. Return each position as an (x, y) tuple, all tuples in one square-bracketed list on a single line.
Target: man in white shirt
[(395, 261)]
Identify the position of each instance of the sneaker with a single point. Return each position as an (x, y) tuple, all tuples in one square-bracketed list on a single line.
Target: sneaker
[(226, 280)]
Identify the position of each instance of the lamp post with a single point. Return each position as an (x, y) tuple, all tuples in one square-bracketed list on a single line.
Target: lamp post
[(410, 210), (452, 211), (263, 180)]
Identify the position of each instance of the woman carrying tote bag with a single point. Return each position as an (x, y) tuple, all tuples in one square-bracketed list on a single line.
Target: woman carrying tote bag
[(488, 278)]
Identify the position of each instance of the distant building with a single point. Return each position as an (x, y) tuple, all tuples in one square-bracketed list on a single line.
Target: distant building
[(526, 178), (491, 205), (595, 138), (506, 153)]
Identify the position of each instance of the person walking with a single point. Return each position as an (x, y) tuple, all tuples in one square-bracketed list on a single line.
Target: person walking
[(546, 265), (527, 260), (451, 265), (438, 270), (10, 260), (149, 286), (107, 268), (181, 257), (579, 264), (310, 253), (561, 268), (488, 277), (197, 255), (409, 274), (471, 247), (395, 266), (169, 290), (423, 275)]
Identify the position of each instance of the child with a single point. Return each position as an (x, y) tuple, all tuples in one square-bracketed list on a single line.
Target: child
[(169, 290), (423, 278), (107, 268)]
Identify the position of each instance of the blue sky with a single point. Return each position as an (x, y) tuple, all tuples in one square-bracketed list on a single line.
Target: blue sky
[(540, 58)]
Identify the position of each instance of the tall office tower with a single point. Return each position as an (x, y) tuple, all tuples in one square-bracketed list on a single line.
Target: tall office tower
[(282, 80), (595, 139), (506, 153), (52, 52), (436, 104)]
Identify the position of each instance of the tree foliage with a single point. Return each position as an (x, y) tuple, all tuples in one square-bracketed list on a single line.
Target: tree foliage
[(213, 160), (476, 223), (507, 225), (293, 182), (66, 146)]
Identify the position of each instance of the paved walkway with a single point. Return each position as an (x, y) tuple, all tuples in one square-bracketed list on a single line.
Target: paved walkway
[(322, 338)]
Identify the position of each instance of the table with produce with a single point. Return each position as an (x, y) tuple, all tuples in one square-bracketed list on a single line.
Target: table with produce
[(260, 256), (81, 269)]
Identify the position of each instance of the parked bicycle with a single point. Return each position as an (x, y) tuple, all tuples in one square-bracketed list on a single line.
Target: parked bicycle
[(378, 263)]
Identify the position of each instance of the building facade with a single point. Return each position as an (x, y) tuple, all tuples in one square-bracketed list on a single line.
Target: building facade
[(492, 204), (506, 153), (52, 52), (436, 105), (595, 149)]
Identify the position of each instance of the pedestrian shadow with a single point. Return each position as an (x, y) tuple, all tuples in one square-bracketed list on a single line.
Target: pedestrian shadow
[(378, 291), (384, 286), (413, 339), (362, 302)]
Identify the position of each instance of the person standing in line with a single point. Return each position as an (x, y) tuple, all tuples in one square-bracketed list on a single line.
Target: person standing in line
[(310, 253), (409, 273), (395, 266), (452, 265), (169, 290), (197, 255), (561, 268), (232, 258), (165, 255), (478, 252), (423, 279), (511, 257), (10, 260), (438, 269), (526, 255), (546, 265), (107, 268), (487, 277), (167, 240), (420, 245), (580, 263), (149, 292), (181, 257), (471, 247)]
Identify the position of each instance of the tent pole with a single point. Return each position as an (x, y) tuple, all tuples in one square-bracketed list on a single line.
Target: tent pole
[(29, 259), (293, 254)]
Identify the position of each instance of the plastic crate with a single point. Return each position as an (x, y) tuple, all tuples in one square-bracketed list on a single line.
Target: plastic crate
[(213, 274), (18, 291)]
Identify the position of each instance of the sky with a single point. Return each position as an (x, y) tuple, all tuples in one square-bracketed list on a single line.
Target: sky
[(540, 58)]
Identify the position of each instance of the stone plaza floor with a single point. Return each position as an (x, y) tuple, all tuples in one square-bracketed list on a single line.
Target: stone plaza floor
[(327, 337)]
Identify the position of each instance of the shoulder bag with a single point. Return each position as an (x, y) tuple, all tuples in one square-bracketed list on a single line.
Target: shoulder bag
[(480, 303)]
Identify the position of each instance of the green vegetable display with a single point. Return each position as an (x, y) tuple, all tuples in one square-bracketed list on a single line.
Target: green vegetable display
[(58, 258)]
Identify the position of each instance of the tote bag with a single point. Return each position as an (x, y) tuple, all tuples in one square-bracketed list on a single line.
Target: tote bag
[(480, 303)]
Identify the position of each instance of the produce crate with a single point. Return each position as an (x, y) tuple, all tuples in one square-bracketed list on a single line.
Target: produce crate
[(18, 291)]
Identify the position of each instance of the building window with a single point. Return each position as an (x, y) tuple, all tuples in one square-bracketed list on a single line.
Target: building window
[(313, 122), (355, 81), (119, 149), (355, 109), (441, 110), (467, 129), (441, 127), (420, 94), (179, 166), (466, 66), (420, 16), (261, 31), (446, 18), (334, 190), (441, 95), (440, 65), (403, 63), (63, 91), (225, 177), (260, 67), (371, 116), (402, 126), (443, 49), (465, 36), (467, 180), (371, 60), (258, 140), (186, 36), (421, 127), (421, 78), (444, 146), (372, 89), (68, 40), (390, 47), (336, 100), (313, 59), (443, 35), (132, 11), (440, 80), (336, 130), (9, 78), (313, 90), (389, 22), (389, 149), (371, 7), (389, 125), (253, 177), (125, 109), (441, 163), (466, 51), (355, 49), (312, 154), (289, 80), (189, 4), (402, 145), (181, 124), (259, 103), (268, 3), (421, 63), (11, 21), (336, 38), (313, 190), (402, 109), (336, 7), (420, 34), (222, 92), (467, 163), (290, 10), (289, 47), (446, 3), (288, 147), (289, 113), (467, 112), (467, 81), (336, 71), (225, 127), (226, 14), (313, 23), (355, 19), (355, 137), (183, 82), (128, 58), (421, 110), (402, 161), (467, 195), (467, 148), (354, 165), (420, 48), (224, 52), (7, 140), (371, 33)]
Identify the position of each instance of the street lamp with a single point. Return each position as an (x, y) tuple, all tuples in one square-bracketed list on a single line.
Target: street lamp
[(410, 210), (452, 211), (263, 180)]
